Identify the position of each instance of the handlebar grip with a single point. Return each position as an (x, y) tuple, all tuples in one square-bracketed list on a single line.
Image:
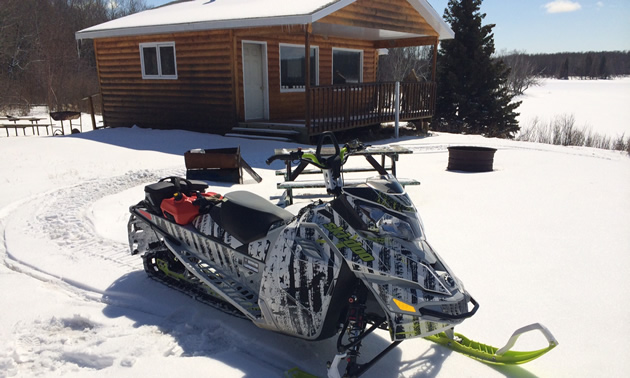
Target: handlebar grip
[(286, 157), (273, 158)]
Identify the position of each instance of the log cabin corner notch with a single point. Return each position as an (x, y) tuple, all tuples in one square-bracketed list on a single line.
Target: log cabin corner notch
[(210, 66)]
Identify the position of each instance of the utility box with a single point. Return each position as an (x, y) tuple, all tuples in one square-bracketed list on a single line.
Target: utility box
[(218, 164)]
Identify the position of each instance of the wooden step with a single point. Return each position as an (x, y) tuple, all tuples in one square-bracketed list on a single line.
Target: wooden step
[(288, 131), (265, 131)]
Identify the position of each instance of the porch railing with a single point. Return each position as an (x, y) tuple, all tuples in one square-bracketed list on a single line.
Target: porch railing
[(346, 106)]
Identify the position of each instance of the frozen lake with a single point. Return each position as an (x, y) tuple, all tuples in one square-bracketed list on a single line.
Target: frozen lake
[(601, 105)]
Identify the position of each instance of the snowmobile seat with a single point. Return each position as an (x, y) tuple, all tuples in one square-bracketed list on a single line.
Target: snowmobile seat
[(247, 216)]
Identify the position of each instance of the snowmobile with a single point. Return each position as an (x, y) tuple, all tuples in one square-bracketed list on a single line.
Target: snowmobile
[(344, 267)]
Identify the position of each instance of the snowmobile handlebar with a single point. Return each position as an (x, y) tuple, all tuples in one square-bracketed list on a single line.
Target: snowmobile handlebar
[(291, 156), (323, 162)]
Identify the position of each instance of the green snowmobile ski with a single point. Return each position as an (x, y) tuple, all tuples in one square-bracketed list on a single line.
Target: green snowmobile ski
[(482, 352), (489, 354)]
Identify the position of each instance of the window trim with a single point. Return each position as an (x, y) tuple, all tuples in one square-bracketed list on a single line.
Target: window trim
[(332, 63), (157, 46), (289, 90)]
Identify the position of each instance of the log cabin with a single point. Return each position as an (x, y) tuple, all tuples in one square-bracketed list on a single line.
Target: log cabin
[(221, 66)]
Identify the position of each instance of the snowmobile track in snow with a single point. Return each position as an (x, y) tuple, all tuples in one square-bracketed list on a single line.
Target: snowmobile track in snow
[(70, 229)]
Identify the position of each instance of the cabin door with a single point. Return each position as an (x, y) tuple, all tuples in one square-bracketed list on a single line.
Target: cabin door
[(255, 81)]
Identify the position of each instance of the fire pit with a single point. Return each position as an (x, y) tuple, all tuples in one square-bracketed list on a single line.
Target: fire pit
[(470, 159), (65, 116)]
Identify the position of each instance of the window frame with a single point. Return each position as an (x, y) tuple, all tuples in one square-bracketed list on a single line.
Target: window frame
[(289, 90), (332, 63), (157, 46)]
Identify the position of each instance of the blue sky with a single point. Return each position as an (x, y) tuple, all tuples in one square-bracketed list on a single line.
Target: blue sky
[(547, 26)]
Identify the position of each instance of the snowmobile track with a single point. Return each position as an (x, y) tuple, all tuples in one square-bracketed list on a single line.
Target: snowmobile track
[(71, 230)]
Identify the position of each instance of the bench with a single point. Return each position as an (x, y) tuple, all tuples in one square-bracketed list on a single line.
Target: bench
[(282, 172), (321, 184)]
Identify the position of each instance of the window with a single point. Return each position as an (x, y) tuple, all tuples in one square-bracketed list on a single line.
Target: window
[(158, 60), (347, 66), (293, 67)]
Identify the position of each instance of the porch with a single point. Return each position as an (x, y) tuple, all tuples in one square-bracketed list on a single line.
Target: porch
[(347, 106)]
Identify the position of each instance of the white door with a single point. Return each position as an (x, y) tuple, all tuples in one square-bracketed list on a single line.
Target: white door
[(254, 80)]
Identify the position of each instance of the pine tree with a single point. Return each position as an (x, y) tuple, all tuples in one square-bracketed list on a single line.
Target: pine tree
[(564, 70), (603, 68), (473, 96), (588, 67)]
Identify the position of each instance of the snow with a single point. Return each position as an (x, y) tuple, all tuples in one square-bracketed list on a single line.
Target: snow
[(205, 11), (601, 105), (226, 14), (542, 238)]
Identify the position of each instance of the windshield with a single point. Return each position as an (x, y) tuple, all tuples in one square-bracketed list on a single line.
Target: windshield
[(385, 192), (383, 222), (386, 209)]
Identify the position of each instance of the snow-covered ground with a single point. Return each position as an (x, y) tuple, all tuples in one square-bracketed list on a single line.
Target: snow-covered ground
[(542, 238)]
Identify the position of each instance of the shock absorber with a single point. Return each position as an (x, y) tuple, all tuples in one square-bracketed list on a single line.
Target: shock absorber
[(355, 329), (356, 326)]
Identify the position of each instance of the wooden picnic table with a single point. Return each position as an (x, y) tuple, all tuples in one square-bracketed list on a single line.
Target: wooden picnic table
[(385, 152), (391, 152), (33, 124)]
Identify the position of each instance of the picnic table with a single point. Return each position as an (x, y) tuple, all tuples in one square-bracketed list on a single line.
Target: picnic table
[(33, 124), (290, 174)]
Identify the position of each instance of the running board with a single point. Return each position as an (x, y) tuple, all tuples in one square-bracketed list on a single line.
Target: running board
[(230, 290)]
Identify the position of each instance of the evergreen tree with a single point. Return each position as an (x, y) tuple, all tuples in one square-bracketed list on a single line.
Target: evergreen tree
[(564, 70), (473, 96), (588, 67), (603, 68)]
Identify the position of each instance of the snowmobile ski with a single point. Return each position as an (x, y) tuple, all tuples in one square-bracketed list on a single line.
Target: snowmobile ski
[(489, 354)]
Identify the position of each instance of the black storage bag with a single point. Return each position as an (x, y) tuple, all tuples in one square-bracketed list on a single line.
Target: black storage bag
[(155, 193)]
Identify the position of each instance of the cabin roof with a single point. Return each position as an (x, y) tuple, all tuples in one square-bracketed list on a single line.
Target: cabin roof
[(234, 14)]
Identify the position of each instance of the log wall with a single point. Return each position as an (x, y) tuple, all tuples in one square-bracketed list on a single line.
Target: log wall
[(200, 99)]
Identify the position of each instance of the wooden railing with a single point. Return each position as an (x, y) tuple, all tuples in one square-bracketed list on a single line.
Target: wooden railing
[(346, 106)]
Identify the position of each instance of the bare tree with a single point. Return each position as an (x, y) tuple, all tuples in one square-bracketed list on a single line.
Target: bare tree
[(400, 62), (38, 53), (523, 73)]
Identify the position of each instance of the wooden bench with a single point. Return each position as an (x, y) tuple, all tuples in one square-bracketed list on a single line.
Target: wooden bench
[(320, 184), (282, 172)]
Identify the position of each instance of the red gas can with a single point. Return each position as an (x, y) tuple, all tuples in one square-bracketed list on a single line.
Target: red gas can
[(180, 208)]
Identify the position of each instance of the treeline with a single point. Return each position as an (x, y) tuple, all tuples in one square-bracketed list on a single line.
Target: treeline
[(584, 65), (40, 61)]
